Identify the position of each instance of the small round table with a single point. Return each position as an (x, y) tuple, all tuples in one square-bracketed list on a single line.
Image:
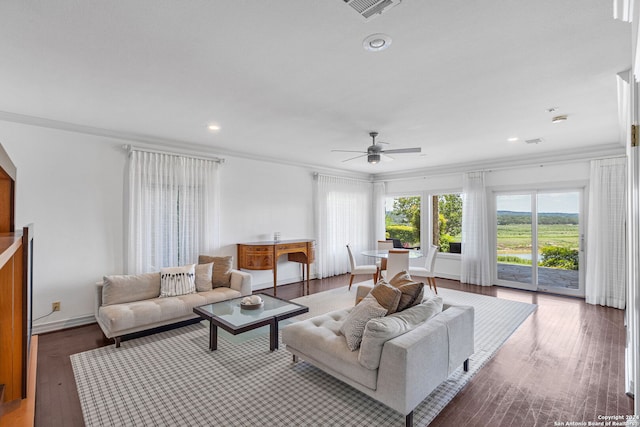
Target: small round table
[(384, 253)]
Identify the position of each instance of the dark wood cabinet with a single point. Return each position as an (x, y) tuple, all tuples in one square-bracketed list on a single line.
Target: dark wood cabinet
[(15, 289)]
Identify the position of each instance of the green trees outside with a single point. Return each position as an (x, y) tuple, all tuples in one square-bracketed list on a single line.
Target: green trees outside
[(403, 222), (449, 220)]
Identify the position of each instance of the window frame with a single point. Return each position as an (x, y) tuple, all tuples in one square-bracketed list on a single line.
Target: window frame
[(431, 218)]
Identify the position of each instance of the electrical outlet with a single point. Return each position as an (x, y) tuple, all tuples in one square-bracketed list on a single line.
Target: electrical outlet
[(55, 306)]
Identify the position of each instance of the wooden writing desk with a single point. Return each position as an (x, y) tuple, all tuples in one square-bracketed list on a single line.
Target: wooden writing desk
[(264, 256)]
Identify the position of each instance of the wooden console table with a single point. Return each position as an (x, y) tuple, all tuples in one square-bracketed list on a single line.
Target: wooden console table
[(264, 256)]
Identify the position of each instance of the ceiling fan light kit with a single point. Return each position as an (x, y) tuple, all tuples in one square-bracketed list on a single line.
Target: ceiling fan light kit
[(373, 158), (374, 151)]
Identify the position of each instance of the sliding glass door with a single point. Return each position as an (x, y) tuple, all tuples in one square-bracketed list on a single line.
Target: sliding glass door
[(539, 241)]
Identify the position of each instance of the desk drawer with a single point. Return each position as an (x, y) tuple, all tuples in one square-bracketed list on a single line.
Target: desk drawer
[(255, 257)]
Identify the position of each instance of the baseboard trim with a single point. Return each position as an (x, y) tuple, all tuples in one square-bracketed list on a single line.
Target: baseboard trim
[(448, 276), (63, 324), (288, 281)]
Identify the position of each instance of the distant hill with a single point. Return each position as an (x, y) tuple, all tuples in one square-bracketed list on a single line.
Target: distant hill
[(512, 217)]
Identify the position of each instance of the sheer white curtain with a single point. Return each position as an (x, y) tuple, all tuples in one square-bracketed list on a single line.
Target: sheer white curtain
[(476, 264), (379, 194), (173, 210), (606, 234), (343, 215)]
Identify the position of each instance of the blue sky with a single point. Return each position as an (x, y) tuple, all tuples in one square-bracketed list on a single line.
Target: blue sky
[(547, 202)]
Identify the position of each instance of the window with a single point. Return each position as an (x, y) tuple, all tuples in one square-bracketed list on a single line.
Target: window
[(342, 215), (402, 220), (447, 222), (173, 210)]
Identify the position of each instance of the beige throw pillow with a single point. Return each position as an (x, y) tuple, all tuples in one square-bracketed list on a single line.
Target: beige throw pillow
[(204, 274), (400, 279), (222, 266), (387, 296), (130, 287)]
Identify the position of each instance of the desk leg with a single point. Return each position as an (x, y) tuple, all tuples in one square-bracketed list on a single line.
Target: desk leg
[(308, 276), (275, 276), (273, 335), (213, 336)]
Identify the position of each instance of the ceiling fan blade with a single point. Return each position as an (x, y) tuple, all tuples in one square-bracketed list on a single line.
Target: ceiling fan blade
[(382, 142), (403, 150), (348, 151), (356, 157)]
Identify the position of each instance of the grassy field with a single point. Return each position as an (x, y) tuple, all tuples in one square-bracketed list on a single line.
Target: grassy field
[(516, 238)]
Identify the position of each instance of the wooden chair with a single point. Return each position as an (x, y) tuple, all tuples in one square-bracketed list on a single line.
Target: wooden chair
[(360, 269), (428, 270), (383, 245), (398, 261)]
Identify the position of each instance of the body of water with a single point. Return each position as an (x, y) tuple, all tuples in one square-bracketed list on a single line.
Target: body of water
[(523, 256)]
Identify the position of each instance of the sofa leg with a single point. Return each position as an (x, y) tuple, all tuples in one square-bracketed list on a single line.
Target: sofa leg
[(117, 342), (408, 421), (465, 365), (295, 359)]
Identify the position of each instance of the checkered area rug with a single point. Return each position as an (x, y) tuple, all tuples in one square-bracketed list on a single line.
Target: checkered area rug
[(171, 379)]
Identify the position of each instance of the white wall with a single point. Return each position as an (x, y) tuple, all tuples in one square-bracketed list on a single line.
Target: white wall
[(71, 186), (525, 178), (259, 198)]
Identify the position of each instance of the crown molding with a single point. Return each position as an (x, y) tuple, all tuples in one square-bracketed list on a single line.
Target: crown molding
[(563, 156), (547, 159), (168, 144)]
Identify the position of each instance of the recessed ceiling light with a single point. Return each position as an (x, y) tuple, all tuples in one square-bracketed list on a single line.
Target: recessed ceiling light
[(559, 119), (376, 42), (513, 139), (214, 127)]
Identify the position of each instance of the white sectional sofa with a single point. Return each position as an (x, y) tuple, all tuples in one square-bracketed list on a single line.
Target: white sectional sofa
[(127, 304), (400, 372)]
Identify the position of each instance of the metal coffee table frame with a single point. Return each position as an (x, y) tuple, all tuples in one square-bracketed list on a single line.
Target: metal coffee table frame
[(215, 321)]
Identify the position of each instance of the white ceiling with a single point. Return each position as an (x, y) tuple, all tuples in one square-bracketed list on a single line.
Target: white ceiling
[(289, 79)]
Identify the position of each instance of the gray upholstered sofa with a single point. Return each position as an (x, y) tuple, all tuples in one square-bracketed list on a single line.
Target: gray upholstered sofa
[(128, 304), (409, 367)]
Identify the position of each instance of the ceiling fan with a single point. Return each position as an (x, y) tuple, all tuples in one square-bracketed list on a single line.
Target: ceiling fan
[(375, 152)]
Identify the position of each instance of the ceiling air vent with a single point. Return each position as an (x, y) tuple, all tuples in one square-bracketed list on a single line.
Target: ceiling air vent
[(533, 141), (370, 9)]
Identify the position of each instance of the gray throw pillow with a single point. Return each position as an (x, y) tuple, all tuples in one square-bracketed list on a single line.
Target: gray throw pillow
[(353, 326), (378, 331), (412, 294)]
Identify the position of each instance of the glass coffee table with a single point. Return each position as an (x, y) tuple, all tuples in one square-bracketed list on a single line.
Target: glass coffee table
[(231, 317)]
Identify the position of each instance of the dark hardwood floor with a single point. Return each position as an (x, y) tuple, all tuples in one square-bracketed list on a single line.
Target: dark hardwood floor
[(565, 363)]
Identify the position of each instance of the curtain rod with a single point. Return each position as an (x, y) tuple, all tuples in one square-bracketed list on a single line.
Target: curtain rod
[(317, 174), (129, 148)]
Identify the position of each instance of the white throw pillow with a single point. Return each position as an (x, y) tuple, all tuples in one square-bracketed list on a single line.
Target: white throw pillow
[(176, 281), (379, 331), (356, 320)]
